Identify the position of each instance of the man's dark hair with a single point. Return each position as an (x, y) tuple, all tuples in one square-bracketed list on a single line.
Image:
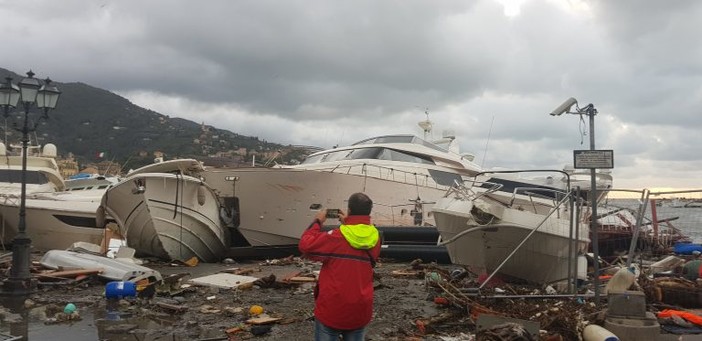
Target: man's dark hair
[(360, 204)]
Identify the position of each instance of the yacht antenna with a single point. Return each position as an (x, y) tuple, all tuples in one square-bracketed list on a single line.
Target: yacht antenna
[(426, 124), (488, 141), (125, 164)]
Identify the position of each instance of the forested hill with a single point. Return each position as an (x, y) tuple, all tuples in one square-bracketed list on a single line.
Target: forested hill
[(89, 121)]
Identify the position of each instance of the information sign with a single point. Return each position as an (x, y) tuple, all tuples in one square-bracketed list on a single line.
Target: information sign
[(588, 159)]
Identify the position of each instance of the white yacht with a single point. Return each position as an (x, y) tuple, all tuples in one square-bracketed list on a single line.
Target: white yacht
[(55, 219), (166, 210), (402, 174), (526, 234), (519, 225), (90, 184)]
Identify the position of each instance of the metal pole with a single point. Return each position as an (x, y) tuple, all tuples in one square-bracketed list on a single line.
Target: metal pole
[(590, 110), (571, 242), (578, 206), (637, 227), (20, 281)]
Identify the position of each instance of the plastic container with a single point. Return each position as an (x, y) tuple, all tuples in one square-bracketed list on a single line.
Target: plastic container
[(256, 310), (582, 268), (120, 289), (69, 309), (621, 280), (593, 332)]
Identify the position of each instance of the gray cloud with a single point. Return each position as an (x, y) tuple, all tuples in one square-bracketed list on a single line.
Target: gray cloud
[(329, 72)]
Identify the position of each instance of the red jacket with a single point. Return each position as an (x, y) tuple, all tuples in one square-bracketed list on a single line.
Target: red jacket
[(345, 296)]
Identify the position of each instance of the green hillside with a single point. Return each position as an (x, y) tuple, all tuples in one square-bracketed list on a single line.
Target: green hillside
[(90, 120)]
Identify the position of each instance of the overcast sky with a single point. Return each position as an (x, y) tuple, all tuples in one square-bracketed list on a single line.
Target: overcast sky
[(333, 72)]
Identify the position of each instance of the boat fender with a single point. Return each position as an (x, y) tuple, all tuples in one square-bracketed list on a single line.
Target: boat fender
[(201, 197), (100, 216), (593, 332)]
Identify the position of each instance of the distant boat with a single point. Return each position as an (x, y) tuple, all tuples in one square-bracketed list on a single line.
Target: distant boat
[(682, 203), (165, 210)]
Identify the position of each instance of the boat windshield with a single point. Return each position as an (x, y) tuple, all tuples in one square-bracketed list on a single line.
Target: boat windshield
[(15, 176), (399, 139), (373, 153)]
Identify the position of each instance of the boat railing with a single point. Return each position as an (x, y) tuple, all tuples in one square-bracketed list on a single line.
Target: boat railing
[(385, 173), (537, 192), (466, 189), (9, 199)]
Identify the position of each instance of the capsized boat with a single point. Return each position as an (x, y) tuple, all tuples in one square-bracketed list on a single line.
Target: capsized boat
[(112, 269), (526, 235), (165, 210)]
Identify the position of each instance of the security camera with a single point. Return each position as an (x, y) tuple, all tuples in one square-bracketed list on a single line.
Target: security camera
[(564, 108)]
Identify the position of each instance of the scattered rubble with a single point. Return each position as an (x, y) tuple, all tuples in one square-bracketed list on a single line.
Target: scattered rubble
[(273, 300)]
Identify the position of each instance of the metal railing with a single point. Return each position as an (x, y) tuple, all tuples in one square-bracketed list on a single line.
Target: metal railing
[(385, 173)]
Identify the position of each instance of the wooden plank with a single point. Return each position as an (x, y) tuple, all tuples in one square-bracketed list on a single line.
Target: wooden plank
[(241, 271), (405, 273), (173, 307), (263, 320), (223, 280), (302, 279), (289, 276)]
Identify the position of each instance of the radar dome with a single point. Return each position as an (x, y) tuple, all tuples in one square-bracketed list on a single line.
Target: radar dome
[(49, 150)]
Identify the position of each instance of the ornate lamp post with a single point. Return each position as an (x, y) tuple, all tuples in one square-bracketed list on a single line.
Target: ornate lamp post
[(45, 96)]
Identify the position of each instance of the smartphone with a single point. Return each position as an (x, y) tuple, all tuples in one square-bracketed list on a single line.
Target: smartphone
[(333, 212)]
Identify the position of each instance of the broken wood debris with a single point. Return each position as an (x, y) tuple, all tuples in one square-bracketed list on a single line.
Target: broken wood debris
[(177, 308), (263, 320), (242, 271)]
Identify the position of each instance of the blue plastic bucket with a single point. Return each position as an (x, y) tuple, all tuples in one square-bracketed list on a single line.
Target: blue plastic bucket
[(120, 289)]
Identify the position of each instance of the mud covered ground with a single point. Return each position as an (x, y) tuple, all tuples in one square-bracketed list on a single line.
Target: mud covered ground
[(412, 302)]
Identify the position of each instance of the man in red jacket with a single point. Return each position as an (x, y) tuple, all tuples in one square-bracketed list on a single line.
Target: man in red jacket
[(344, 292)]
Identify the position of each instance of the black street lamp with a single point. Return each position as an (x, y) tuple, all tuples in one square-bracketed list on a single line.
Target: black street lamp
[(27, 92)]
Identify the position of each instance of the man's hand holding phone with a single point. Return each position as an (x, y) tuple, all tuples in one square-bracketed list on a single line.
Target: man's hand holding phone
[(330, 213), (333, 213)]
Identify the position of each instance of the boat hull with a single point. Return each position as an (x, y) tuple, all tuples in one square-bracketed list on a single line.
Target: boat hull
[(168, 216), (276, 205), (543, 258), (52, 224)]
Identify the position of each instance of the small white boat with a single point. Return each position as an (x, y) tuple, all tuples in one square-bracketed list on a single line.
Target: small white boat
[(165, 210), (522, 235), (113, 269)]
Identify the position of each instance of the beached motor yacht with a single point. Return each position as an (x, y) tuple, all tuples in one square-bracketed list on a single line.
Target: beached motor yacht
[(526, 234), (166, 210), (403, 174), (520, 225), (90, 184), (42, 171), (55, 219)]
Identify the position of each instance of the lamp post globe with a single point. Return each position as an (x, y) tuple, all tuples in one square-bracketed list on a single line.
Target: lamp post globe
[(27, 92)]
